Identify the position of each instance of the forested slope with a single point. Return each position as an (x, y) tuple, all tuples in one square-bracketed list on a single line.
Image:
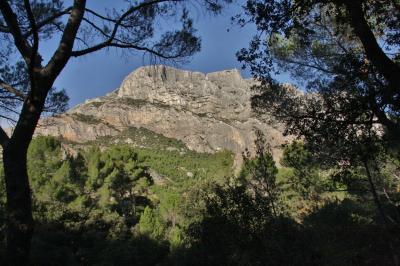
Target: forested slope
[(122, 205)]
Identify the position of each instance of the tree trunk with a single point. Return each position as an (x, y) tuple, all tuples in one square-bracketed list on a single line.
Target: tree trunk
[(20, 224), (385, 65), (19, 207)]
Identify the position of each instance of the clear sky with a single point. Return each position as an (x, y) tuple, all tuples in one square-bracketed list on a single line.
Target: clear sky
[(99, 73)]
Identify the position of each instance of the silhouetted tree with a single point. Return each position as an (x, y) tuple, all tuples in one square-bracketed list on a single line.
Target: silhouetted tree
[(332, 48), (349, 111), (346, 54), (259, 173)]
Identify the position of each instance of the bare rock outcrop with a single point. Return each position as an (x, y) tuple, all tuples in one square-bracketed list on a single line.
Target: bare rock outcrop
[(207, 112)]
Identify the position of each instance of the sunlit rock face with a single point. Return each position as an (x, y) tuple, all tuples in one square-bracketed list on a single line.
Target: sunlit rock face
[(208, 112)]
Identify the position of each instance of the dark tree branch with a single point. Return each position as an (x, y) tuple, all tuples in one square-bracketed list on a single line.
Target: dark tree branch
[(122, 45), (11, 98), (337, 40), (4, 29), (374, 193), (101, 31), (389, 69), (110, 41), (319, 117), (8, 118), (93, 25), (34, 104), (304, 64), (63, 52), (12, 22), (4, 138), (12, 90), (384, 120), (47, 21), (34, 61), (40, 24), (87, 10), (9, 109), (104, 18)]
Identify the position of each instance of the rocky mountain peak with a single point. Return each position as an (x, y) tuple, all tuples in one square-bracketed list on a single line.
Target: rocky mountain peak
[(206, 112), (144, 80), (167, 75)]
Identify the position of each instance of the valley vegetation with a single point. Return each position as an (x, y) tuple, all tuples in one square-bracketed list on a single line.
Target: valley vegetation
[(123, 205)]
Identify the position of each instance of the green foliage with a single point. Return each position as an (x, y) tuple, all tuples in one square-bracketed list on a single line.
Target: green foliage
[(142, 137), (137, 103), (89, 119), (101, 203), (150, 224), (238, 229), (338, 233), (305, 178), (260, 173), (63, 185), (124, 205), (44, 157), (296, 155), (93, 166), (97, 104), (179, 166), (305, 186)]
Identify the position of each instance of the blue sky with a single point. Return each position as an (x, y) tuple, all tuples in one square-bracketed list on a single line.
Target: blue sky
[(99, 73)]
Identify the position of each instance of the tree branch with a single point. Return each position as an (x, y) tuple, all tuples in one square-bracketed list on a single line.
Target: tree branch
[(389, 69), (4, 29), (12, 22), (102, 32), (99, 15), (4, 138), (109, 42), (12, 90), (391, 125), (120, 45), (102, 17), (63, 52), (304, 64), (8, 109), (321, 118), (374, 193), (92, 24), (48, 20), (34, 61)]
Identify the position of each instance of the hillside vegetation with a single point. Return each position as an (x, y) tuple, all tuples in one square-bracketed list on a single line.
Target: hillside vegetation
[(123, 205)]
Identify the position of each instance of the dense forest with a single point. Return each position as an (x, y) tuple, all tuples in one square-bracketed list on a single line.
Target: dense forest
[(122, 205)]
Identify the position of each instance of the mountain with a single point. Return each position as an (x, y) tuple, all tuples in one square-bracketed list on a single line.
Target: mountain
[(178, 109)]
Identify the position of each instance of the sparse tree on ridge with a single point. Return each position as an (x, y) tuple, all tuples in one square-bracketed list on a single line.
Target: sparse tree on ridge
[(26, 80)]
